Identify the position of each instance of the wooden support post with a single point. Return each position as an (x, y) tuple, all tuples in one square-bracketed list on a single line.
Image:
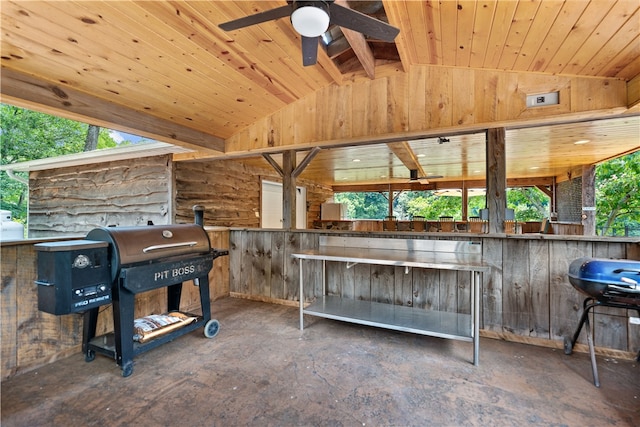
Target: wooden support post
[(465, 202), (496, 179), (589, 200), (288, 190)]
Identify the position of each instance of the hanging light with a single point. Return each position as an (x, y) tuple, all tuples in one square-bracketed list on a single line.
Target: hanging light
[(310, 18)]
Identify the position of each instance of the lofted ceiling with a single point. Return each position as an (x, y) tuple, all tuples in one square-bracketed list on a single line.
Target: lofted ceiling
[(165, 70)]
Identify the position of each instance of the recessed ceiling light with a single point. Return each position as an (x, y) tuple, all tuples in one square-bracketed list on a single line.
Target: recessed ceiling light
[(534, 167), (383, 176), (582, 141), (356, 160), (421, 155)]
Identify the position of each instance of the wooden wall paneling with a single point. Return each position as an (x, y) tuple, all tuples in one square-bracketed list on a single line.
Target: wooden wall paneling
[(333, 118), (346, 280), (403, 286), (397, 105), (462, 111), (382, 283), (539, 288), (259, 251), (440, 95), (379, 120), (426, 289), (362, 282), (311, 241), (448, 290), (516, 289), (362, 105), (236, 284), (417, 102), (337, 277), (565, 302), (464, 292), (277, 265), (8, 307), (219, 275), (491, 315), (291, 268), (30, 323)]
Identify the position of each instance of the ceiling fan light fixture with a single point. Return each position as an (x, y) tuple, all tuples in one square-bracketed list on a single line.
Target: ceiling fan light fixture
[(310, 20)]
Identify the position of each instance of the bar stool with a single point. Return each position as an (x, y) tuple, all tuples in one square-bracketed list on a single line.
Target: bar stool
[(418, 223), (446, 223), (390, 223)]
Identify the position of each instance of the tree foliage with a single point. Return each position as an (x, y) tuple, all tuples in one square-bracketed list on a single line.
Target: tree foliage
[(618, 195), (28, 135)]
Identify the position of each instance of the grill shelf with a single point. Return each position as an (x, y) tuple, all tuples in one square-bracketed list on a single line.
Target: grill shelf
[(607, 283)]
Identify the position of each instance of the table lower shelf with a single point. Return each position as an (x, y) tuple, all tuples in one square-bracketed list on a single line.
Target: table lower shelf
[(400, 318)]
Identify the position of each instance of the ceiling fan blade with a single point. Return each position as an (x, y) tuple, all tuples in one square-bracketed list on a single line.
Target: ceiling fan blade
[(309, 50), (357, 21), (258, 18)]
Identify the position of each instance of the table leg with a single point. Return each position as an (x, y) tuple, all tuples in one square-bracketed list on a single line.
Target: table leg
[(301, 297), (475, 284)]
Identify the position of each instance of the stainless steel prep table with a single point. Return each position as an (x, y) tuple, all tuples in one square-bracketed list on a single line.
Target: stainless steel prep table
[(443, 255)]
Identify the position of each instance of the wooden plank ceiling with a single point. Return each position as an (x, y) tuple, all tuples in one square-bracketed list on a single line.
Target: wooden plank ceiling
[(165, 70)]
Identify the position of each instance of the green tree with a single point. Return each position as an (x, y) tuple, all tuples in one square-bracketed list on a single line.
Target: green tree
[(364, 205), (618, 195), (28, 135)]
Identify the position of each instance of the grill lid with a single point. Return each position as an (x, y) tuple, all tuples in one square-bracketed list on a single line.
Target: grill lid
[(133, 245)]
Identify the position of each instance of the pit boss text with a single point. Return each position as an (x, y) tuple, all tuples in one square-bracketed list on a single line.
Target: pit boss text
[(175, 272)]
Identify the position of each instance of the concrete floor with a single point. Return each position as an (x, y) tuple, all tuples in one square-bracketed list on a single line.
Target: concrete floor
[(261, 370)]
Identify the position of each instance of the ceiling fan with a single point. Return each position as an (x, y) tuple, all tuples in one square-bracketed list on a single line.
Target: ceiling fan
[(311, 19), (413, 176)]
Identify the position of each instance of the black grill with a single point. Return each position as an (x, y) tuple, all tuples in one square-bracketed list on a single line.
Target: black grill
[(605, 282), (124, 261)]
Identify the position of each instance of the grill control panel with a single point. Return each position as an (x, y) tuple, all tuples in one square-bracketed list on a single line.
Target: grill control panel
[(73, 276)]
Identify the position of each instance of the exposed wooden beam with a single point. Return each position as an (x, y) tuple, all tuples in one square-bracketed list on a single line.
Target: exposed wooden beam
[(403, 151), (273, 164), (359, 45), (61, 100), (307, 159), (633, 91), (288, 190)]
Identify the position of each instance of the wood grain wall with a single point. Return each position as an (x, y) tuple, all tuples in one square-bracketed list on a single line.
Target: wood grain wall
[(31, 338), (527, 297), (424, 99), (230, 191), (75, 200)]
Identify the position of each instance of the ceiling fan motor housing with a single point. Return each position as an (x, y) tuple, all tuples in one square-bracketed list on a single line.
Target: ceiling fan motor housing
[(307, 20)]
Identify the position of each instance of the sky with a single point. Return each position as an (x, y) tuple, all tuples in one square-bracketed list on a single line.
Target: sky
[(118, 137)]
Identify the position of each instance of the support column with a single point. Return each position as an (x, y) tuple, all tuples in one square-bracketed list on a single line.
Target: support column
[(589, 200), (288, 190), (496, 179)]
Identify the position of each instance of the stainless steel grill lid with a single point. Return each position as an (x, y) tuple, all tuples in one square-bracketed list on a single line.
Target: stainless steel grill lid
[(133, 245)]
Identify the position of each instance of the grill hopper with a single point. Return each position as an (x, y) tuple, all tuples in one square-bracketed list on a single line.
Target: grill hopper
[(131, 246)]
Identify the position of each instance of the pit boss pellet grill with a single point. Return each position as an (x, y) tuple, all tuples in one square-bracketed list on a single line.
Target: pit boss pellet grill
[(111, 266)]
